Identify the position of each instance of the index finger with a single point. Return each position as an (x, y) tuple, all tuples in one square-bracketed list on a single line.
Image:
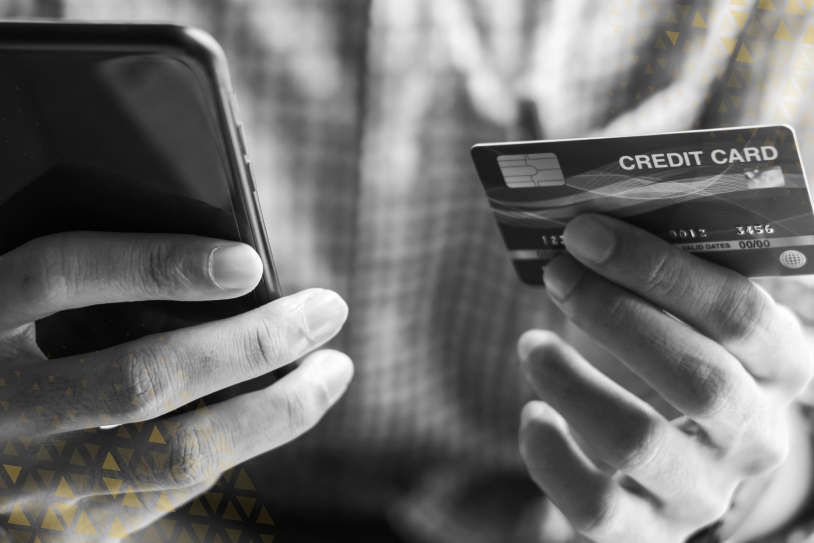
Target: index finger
[(153, 375), (717, 302)]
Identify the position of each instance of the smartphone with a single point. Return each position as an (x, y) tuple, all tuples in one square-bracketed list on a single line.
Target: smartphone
[(123, 128)]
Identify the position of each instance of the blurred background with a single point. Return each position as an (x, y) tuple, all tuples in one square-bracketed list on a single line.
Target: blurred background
[(352, 106)]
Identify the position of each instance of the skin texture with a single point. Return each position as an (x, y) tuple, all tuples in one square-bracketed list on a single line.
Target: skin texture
[(141, 382), (712, 345)]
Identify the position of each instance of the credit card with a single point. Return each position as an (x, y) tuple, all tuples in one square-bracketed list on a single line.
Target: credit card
[(737, 197)]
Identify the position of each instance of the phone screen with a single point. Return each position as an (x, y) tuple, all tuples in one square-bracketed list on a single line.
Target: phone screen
[(115, 140)]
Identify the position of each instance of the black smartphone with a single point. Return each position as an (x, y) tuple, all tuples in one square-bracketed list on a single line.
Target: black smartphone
[(123, 128)]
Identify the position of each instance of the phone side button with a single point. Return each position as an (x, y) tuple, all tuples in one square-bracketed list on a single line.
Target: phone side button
[(250, 169)]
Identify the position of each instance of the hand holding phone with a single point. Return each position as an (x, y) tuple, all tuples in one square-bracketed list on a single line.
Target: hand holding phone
[(137, 384), (140, 314)]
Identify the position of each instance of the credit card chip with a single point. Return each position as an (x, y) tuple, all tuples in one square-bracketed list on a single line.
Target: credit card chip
[(528, 171)]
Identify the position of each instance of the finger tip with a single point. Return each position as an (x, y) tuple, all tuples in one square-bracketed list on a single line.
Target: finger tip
[(235, 266), (539, 415), (532, 410), (561, 276), (335, 370), (530, 340)]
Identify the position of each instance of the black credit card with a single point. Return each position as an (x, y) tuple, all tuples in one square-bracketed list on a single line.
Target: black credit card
[(736, 196)]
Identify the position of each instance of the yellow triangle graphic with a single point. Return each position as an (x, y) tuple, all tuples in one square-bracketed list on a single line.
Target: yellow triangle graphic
[(117, 530), (110, 464), (76, 458), (698, 21), (113, 485), (130, 499), (83, 526), (264, 517), (673, 36), (198, 509), (744, 56), (67, 512), (185, 538), (172, 427), (13, 472), (164, 503), (63, 490), (214, 500), (223, 446), (167, 525), (30, 485), (783, 32), (200, 529), (231, 513), (151, 535), (43, 454), (92, 449), (794, 7), (243, 481), (202, 410), (247, 504), (17, 516), (143, 468), (80, 481), (51, 522), (47, 476), (155, 437), (159, 459), (127, 454), (766, 4)]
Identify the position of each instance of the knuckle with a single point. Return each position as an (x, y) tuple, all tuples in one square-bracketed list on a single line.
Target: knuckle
[(768, 450), (741, 309), (638, 448), (717, 394), (158, 267), (620, 311), (704, 506), (47, 272), (598, 518), (267, 344), (143, 383), (663, 274), (190, 452)]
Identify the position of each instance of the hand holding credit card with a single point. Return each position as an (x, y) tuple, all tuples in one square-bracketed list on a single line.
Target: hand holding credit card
[(736, 197), (641, 218)]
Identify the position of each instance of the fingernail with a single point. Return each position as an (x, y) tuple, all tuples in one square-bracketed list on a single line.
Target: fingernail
[(336, 370), (587, 238), (532, 410), (325, 313), (561, 276), (529, 341), (235, 266)]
